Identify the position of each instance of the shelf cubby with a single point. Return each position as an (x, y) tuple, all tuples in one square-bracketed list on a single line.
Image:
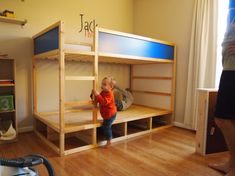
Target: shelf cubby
[(138, 126), (161, 121), (7, 92), (117, 129)]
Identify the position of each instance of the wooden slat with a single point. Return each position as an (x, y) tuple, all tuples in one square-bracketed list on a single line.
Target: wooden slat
[(167, 111), (7, 85), (202, 122), (153, 77), (48, 55), (81, 53), (61, 87), (79, 58), (79, 78), (78, 149), (154, 93), (77, 104), (79, 127), (161, 128), (138, 134)]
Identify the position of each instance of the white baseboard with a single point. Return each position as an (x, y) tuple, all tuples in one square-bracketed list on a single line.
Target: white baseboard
[(181, 125), (25, 129)]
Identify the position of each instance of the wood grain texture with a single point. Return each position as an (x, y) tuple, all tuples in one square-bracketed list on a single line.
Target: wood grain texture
[(169, 152), (82, 119)]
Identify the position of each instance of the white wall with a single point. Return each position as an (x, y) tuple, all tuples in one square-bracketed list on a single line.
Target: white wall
[(168, 20), (16, 41)]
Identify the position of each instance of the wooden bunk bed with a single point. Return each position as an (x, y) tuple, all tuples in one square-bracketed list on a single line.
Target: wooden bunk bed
[(152, 61)]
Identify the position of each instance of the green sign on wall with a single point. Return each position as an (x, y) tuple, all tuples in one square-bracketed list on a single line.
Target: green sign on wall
[(6, 103)]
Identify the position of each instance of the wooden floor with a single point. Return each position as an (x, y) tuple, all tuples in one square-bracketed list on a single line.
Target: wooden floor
[(169, 152)]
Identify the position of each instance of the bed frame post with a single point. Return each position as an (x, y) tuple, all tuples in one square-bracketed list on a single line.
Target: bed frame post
[(95, 82), (173, 85), (61, 87), (95, 70)]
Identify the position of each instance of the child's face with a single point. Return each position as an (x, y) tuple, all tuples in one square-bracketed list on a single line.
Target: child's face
[(106, 85)]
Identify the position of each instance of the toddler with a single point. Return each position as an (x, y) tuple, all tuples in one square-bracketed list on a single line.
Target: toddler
[(107, 106)]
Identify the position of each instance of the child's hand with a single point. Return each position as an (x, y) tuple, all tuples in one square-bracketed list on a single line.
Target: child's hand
[(94, 92)]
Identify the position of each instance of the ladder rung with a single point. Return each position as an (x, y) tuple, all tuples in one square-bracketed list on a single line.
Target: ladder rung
[(78, 103), (79, 78)]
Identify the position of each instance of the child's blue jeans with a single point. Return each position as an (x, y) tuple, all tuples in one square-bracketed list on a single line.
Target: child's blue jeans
[(107, 127)]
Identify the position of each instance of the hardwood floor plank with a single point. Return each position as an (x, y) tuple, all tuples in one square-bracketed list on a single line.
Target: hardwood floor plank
[(169, 152)]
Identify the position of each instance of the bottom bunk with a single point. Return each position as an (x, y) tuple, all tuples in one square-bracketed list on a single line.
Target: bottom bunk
[(81, 133)]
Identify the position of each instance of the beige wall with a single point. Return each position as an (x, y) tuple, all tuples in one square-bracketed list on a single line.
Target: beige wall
[(168, 20), (162, 19), (16, 41)]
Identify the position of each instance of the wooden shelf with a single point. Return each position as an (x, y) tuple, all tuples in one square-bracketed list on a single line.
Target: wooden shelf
[(12, 20), (7, 85), (69, 55), (6, 111)]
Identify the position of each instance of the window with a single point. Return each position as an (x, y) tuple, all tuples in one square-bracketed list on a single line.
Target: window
[(222, 24)]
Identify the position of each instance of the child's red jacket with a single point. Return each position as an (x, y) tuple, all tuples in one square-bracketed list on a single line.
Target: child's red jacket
[(107, 104)]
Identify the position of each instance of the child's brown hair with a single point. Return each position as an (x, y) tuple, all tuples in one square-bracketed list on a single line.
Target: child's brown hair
[(111, 80)]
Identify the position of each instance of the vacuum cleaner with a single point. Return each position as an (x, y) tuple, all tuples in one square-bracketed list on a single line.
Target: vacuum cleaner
[(24, 166)]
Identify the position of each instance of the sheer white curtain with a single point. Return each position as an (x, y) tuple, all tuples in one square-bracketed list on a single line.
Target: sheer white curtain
[(202, 57)]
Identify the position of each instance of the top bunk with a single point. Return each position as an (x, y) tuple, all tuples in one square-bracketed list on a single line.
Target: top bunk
[(109, 46)]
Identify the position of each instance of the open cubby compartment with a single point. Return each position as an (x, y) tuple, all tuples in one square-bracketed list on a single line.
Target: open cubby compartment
[(6, 69), (8, 116), (40, 127), (160, 121), (7, 90), (117, 129), (73, 139), (79, 139), (137, 126)]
